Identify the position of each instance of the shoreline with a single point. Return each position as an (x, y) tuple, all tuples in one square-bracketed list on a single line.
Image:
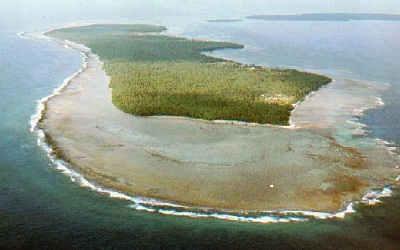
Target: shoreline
[(154, 153)]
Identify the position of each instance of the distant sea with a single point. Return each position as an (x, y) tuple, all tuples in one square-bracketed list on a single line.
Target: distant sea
[(42, 208)]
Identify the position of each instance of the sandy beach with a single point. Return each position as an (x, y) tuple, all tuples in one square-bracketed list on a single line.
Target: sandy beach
[(321, 163)]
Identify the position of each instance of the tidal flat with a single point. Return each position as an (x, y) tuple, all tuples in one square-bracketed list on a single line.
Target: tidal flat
[(223, 166)]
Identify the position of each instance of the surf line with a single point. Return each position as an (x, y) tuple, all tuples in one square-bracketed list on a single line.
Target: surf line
[(150, 204), (360, 129)]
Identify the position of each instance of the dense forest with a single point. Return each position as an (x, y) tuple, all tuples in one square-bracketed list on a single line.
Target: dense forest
[(155, 74)]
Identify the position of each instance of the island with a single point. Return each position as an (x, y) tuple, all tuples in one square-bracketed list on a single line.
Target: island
[(224, 20), (155, 74), (343, 17), (143, 117)]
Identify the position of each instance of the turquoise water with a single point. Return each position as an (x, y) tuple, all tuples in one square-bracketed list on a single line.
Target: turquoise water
[(42, 208)]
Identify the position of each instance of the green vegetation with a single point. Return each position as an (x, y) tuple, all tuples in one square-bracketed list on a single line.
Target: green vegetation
[(140, 43), (154, 74)]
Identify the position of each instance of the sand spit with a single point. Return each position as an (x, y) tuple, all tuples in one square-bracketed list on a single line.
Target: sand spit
[(235, 168)]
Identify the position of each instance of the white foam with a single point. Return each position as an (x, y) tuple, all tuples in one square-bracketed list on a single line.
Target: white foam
[(142, 208), (261, 219), (27, 35), (356, 123), (349, 210), (390, 146), (379, 102), (153, 205), (22, 35), (361, 129), (372, 197), (41, 104), (357, 113), (323, 215)]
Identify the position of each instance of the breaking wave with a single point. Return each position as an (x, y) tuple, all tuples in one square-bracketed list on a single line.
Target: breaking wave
[(167, 208)]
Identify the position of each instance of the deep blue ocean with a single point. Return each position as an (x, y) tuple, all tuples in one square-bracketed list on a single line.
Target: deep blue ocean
[(41, 208)]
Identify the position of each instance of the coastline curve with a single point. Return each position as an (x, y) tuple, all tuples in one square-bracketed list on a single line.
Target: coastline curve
[(163, 156)]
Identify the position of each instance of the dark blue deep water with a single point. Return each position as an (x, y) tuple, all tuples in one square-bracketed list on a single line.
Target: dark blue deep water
[(41, 208)]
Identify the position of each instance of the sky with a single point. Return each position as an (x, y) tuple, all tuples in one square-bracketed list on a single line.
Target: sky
[(254, 6), (211, 6), (29, 12)]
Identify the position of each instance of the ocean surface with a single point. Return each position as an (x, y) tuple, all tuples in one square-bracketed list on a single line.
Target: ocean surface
[(42, 208)]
